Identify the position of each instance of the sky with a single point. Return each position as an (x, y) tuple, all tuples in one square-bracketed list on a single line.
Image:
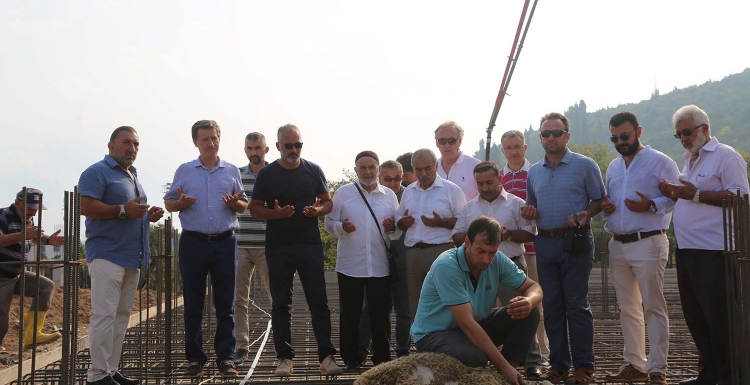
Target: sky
[(351, 75)]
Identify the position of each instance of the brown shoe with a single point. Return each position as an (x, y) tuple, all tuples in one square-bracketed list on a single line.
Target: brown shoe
[(627, 373), (582, 376), (555, 377), (657, 378)]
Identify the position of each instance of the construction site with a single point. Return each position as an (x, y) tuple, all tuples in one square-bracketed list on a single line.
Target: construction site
[(154, 345)]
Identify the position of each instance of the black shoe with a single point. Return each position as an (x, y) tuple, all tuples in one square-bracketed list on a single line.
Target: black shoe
[(533, 373), (104, 381), (239, 356), (353, 366), (122, 380), (227, 369), (402, 353), (194, 369), (695, 381)]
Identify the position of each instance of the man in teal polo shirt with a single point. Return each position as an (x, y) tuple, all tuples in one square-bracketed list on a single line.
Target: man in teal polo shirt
[(455, 314)]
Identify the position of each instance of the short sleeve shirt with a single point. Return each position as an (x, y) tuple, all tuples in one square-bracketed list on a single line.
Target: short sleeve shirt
[(252, 231), (449, 283), (298, 187)]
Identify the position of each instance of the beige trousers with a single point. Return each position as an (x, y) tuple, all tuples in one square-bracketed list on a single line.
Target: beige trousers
[(541, 335), (247, 261), (418, 263)]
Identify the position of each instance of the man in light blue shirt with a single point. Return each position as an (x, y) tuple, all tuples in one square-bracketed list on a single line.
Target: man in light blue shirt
[(455, 314), (563, 188), (208, 194)]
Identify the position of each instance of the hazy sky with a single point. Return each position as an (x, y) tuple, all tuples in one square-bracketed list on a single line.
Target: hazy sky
[(352, 75)]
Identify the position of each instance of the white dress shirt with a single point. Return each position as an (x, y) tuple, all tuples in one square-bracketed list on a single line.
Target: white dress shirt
[(462, 174), (443, 197), (718, 168), (361, 253), (643, 175), (506, 208)]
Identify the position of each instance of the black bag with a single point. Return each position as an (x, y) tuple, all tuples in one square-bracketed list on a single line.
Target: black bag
[(575, 240), (390, 251)]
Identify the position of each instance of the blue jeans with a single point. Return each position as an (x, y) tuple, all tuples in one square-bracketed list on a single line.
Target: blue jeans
[(400, 298), (565, 282), (307, 260), (198, 259)]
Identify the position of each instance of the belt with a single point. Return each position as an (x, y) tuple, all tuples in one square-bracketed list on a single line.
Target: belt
[(557, 233), (635, 237), (422, 245), (208, 237)]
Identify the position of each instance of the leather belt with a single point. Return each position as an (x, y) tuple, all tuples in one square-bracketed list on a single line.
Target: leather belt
[(558, 233), (635, 237), (422, 245), (208, 237)]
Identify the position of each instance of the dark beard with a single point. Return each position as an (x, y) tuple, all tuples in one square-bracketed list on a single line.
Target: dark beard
[(631, 148)]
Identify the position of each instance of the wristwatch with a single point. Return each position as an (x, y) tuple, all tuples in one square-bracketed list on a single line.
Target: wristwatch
[(652, 209), (122, 214), (510, 236), (697, 196)]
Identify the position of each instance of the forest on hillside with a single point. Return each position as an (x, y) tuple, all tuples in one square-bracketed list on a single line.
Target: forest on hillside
[(727, 102)]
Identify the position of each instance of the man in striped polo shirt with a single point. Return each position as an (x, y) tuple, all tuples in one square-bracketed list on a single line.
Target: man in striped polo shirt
[(514, 176), (251, 246)]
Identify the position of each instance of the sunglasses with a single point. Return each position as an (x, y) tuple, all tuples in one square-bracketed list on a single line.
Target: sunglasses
[(447, 140), (623, 137), (555, 133), (686, 132), (394, 179), (289, 146)]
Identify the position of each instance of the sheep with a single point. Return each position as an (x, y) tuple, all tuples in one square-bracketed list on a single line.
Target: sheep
[(432, 369)]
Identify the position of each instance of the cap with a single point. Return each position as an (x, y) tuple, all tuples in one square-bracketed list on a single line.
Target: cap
[(33, 196)]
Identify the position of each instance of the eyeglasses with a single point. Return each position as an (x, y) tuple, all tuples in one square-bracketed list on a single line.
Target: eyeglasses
[(555, 133), (289, 146), (624, 137), (686, 132), (445, 141), (394, 179), (517, 147)]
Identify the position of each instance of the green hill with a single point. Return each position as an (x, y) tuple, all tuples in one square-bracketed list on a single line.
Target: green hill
[(726, 101)]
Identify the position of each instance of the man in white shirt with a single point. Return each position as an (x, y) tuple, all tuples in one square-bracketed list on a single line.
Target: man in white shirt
[(495, 202), (712, 171), (453, 164), (427, 213), (638, 216), (362, 259)]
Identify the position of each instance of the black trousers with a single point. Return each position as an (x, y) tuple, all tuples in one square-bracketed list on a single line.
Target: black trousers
[(701, 278), (351, 294)]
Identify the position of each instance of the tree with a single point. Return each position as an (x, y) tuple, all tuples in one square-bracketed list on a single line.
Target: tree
[(329, 241)]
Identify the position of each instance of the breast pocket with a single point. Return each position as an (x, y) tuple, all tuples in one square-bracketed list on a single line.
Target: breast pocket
[(708, 182)]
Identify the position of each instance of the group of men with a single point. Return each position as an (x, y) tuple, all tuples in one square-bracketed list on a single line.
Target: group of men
[(479, 250)]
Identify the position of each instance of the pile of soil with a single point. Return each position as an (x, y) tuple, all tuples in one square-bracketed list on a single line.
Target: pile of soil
[(54, 320)]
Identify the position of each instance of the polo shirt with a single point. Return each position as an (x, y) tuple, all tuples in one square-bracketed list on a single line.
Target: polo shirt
[(252, 231), (514, 182), (462, 174), (362, 253), (719, 168), (506, 208), (209, 214), (298, 187), (564, 189), (449, 283), (10, 223), (123, 242), (643, 175), (442, 197)]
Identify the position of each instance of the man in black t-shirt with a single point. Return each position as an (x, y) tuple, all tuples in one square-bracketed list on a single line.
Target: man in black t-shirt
[(291, 193)]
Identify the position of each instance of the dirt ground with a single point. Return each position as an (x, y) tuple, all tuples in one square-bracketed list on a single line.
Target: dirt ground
[(9, 347)]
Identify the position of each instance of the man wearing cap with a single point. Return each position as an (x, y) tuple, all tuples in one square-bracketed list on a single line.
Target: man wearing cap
[(291, 194), (117, 222), (11, 250), (208, 193), (427, 213), (712, 172), (453, 164), (362, 264), (251, 250)]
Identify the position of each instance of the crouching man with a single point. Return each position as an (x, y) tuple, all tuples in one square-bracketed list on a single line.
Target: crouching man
[(455, 314)]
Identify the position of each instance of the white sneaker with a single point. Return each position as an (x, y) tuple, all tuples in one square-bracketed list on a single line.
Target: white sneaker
[(284, 369), (329, 367)]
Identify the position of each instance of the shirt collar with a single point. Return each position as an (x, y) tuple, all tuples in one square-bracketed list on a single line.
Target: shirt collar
[(197, 163), (113, 164), (526, 166), (709, 146), (503, 195), (565, 159), (437, 183), (461, 256), (249, 170), (379, 189)]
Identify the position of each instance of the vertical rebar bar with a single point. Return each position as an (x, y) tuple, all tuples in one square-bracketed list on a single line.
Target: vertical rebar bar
[(22, 288), (168, 297), (66, 290)]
